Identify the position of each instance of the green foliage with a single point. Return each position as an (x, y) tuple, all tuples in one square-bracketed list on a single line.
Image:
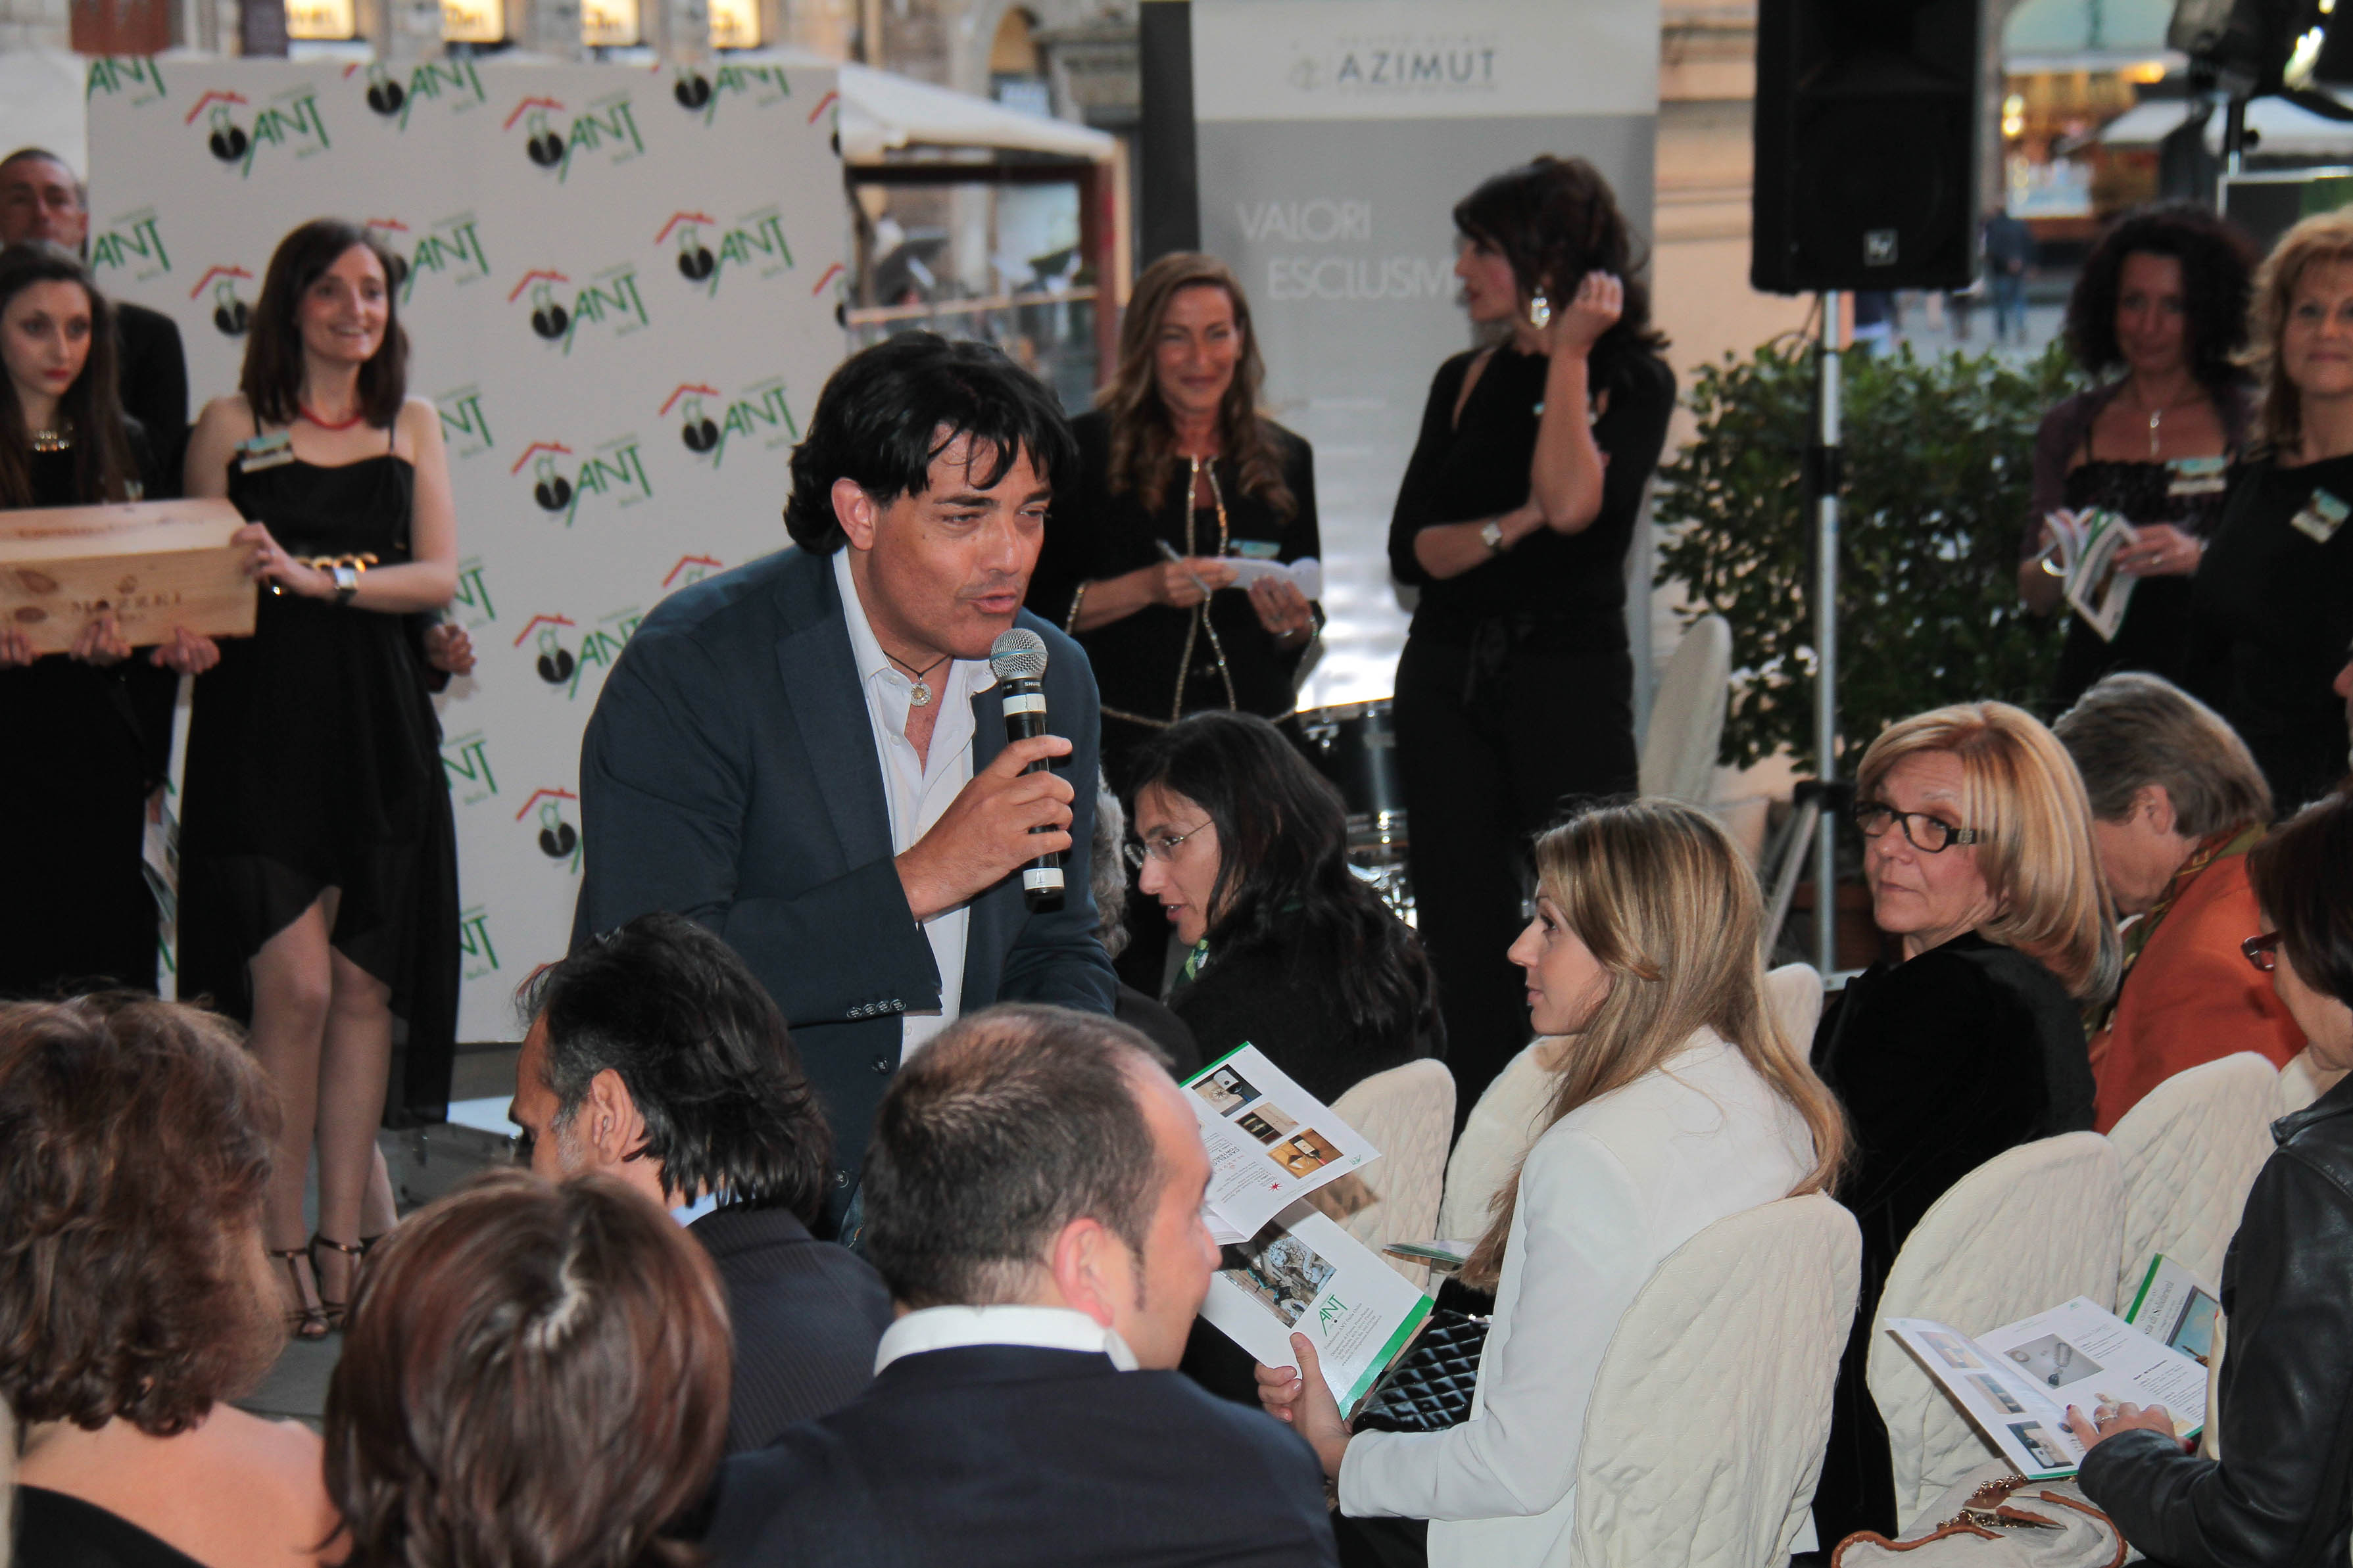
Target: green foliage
[(1939, 457)]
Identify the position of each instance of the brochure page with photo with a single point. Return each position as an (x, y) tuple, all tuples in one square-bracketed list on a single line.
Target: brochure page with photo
[(2086, 543), (1303, 1274), (2176, 1308), (1270, 1142), (2015, 1383)]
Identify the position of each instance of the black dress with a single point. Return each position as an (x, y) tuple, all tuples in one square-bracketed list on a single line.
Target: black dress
[(1942, 1063), (57, 1531), (1515, 692), (2272, 612), (85, 746), (1159, 664), (2154, 633), (313, 763)]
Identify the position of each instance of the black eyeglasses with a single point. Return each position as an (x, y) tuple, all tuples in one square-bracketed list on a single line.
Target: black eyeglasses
[(1931, 836), (2262, 952)]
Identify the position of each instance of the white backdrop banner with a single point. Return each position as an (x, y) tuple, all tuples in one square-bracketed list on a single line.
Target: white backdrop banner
[(618, 288), (1334, 137)]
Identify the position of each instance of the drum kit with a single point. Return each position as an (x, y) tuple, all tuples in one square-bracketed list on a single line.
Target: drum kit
[(1355, 746)]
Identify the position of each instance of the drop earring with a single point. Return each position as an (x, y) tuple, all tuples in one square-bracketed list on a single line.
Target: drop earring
[(1540, 311)]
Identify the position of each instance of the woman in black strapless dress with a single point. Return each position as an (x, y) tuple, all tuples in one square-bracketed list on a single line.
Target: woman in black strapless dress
[(2163, 298), (319, 858)]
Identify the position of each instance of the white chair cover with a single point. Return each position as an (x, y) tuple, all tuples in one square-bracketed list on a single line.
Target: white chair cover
[(1409, 1113), (1703, 1439), (2304, 1080), (2031, 1227), (1687, 714), (1495, 1138), (2190, 1151), (1795, 992)]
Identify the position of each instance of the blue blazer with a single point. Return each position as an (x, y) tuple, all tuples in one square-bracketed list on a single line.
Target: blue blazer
[(729, 774)]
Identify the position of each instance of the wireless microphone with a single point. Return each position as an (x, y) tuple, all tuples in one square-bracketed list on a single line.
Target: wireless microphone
[(1018, 657)]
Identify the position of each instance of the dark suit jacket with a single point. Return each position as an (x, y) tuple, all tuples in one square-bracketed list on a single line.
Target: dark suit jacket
[(729, 774), (991, 1455), (153, 373), (807, 1316)]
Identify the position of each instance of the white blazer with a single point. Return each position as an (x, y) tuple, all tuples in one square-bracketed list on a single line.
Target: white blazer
[(1605, 1195)]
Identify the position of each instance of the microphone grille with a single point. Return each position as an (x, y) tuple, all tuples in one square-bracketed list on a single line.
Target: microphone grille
[(1017, 655)]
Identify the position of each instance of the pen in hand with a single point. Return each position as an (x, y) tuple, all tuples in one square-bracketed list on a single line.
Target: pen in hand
[(1170, 550)]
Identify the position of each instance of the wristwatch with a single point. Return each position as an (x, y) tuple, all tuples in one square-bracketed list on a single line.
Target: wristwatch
[(347, 582), (1491, 534)]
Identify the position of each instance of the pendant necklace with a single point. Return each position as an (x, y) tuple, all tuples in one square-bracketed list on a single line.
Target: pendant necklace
[(2156, 416), (919, 694)]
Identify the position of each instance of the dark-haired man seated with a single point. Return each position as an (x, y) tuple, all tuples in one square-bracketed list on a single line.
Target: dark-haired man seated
[(1033, 1196), (803, 754), (654, 1057)]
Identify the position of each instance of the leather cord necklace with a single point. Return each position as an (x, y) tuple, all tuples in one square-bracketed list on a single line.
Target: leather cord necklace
[(919, 694)]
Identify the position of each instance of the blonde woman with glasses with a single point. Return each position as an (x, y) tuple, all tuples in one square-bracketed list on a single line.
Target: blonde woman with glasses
[(1678, 1102), (1978, 848)]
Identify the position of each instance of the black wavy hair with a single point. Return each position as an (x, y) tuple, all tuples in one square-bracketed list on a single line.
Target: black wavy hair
[(886, 411), (704, 1054), (1556, 219), (2302, 879), (1283, 874), (2218, 268)]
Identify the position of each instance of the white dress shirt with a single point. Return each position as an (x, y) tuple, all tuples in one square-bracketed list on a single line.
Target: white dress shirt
[(1042, 1328), (1605, 1195), (918, 790)]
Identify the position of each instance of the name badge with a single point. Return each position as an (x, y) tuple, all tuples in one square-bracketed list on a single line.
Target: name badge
[(2196, 475), (2322, 516), (1256, 549), (268, 451)]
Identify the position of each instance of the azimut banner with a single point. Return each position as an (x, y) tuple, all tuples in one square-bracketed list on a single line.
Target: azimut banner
[(1334, 139), (618, 288)]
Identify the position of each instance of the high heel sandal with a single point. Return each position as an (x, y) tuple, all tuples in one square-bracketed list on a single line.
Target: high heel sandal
[(335, 1312), (304, 1322)]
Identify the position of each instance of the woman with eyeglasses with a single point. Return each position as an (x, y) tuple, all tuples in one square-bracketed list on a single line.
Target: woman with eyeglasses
[(1245, 847), (1978, 851), (2284, 1417)]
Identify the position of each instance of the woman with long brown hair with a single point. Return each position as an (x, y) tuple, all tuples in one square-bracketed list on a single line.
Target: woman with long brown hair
[(89, 730), (1515, 691), (1678, 1102), (319, 858)]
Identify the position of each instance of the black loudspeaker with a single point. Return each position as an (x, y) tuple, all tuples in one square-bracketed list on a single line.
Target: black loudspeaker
[(1866, 142)]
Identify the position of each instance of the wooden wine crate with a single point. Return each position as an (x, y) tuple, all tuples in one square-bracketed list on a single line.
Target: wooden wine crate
[(156, 564)]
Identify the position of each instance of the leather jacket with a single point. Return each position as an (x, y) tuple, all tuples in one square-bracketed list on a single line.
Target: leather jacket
[(2278, 1496)]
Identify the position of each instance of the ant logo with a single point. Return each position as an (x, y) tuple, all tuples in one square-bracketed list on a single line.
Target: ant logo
[(548, 318), (695, 259), (557, 837), (555, 663), (227, 141), (231, 313), (700, 432), (384, 95), (381, 230), (550, 488), (692, 90), (541, 143)]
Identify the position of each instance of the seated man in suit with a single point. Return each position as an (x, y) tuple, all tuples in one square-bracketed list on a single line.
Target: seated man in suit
[(656, 1057), (1033, 1196), (804, 755)]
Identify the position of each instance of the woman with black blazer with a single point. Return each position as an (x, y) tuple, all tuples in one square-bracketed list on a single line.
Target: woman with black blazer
[(1978, 851), (1515, 692)]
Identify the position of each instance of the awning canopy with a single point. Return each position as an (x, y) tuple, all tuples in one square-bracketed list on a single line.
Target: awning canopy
[(2128, 28), (2281, 128), (883, 112)]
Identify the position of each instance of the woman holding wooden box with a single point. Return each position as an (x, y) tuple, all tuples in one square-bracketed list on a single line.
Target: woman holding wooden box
[(88, 731), (320, 863)]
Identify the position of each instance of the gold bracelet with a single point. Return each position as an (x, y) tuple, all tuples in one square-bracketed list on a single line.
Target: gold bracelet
[(1071, 621)]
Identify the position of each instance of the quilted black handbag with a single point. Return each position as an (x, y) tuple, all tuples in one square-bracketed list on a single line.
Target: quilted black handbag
[(1429, 1388)]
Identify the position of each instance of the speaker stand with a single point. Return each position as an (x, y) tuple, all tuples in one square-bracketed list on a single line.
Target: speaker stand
[(1824, 478)]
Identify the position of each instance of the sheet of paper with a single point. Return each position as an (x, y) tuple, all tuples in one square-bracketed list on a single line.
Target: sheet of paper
[(2177, 1309), (1306, 574), (1304, 1274), (1270, 1141)]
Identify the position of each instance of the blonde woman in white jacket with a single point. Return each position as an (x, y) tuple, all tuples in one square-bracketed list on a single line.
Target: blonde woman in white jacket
[(1679, 1102)]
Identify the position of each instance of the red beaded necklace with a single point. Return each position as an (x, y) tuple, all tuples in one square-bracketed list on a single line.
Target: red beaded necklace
[(304, 409)]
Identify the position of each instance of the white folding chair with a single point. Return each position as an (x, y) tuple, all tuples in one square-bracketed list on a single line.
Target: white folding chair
[(1687, 714), (2031, 1227), (1704, 1438), (1795, 992), (2189, 1151), (1409, 1115), (1496, 1137)]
